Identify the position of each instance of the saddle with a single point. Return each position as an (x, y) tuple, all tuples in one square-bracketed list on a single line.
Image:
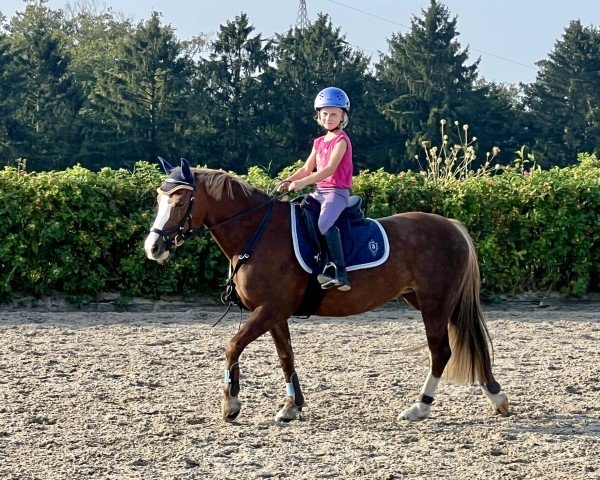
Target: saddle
[(364, 240)]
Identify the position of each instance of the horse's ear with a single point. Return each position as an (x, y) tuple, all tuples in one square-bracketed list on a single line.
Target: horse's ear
[(186, 171), (165, 165)]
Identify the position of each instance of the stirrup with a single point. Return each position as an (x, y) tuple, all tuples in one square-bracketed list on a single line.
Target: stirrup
[(336, 282), (323, 277), (328, 282)]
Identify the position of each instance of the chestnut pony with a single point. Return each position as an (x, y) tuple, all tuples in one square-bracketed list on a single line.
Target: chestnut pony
[(432, 264)]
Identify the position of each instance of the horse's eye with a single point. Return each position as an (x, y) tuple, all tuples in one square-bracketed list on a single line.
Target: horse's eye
[(179, 203)]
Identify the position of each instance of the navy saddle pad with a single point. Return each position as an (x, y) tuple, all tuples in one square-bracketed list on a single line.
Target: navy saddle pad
[(364, 240)]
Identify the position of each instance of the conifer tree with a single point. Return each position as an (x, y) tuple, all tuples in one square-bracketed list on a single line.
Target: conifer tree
[(49, 100), (11, 84), (96, 41), (425, 77), (564, 100), (144, 93), (308, 60), (231, 85)]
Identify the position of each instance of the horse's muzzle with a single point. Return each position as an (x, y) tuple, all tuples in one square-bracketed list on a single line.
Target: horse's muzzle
[(156, 248)]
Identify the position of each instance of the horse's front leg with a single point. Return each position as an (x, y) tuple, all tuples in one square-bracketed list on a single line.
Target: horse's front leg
[(259, 322), (231, 405), (294, 401)]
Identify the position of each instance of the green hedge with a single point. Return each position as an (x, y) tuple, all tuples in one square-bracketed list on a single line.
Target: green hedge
[(81, 233), (537, 230)]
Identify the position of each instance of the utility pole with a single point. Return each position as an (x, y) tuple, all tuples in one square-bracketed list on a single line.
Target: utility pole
[(302, 18)]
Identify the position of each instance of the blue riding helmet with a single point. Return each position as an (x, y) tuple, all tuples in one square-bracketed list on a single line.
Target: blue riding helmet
[(332, 97)]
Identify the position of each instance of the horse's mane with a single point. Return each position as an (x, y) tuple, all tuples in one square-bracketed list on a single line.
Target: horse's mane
[(220, 184)]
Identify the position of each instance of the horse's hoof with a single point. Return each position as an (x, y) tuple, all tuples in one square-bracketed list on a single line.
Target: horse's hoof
[(230, 407), (499, 401), (418, 412), (503, 409), (289, 412), (289, 415), (232, 416)]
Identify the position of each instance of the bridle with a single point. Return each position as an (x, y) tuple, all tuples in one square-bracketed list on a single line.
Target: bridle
[(175, 236)]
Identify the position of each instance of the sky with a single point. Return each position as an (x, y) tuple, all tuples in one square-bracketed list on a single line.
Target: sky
[(508, 36)]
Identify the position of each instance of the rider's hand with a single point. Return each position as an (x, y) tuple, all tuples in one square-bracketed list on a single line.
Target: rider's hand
[(283, 186), (295, 186)]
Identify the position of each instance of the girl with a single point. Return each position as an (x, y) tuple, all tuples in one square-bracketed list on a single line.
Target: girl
[(329, 166)]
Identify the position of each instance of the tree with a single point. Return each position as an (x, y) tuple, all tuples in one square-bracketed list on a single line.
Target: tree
[(97, 37), (425, 77), (230, 86), (11, 85), (49, 100), (564, 100), (144, 93)]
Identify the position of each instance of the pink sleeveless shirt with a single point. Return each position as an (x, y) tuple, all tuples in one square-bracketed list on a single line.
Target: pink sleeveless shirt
[(342, 177)]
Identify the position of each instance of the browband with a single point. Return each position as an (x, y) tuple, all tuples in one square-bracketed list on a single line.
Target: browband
[(171, 187)]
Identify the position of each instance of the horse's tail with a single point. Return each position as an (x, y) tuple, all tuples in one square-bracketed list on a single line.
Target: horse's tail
[(470, 339)]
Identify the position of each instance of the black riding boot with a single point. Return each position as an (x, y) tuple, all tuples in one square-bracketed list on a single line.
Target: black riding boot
[(334, 274)]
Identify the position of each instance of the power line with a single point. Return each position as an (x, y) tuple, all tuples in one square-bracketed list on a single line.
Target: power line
[(369, 14), (406, 26), (505, 59)]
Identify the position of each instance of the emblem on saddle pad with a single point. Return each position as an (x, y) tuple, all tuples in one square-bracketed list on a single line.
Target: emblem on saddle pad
[(373, 247)]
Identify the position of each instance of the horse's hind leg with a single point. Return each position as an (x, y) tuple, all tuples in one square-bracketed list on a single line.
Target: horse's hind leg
[(294, 401), (436, 320)]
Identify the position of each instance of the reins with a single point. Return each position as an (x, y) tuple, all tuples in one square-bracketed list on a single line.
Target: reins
[(246, 212), (180, 236)]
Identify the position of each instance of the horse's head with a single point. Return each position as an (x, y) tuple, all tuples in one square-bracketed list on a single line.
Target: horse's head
[(173, 221)]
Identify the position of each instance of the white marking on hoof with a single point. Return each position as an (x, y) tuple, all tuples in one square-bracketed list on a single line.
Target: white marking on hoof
[(498, 401), (289, 411), (419, 411), (230, 407)]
